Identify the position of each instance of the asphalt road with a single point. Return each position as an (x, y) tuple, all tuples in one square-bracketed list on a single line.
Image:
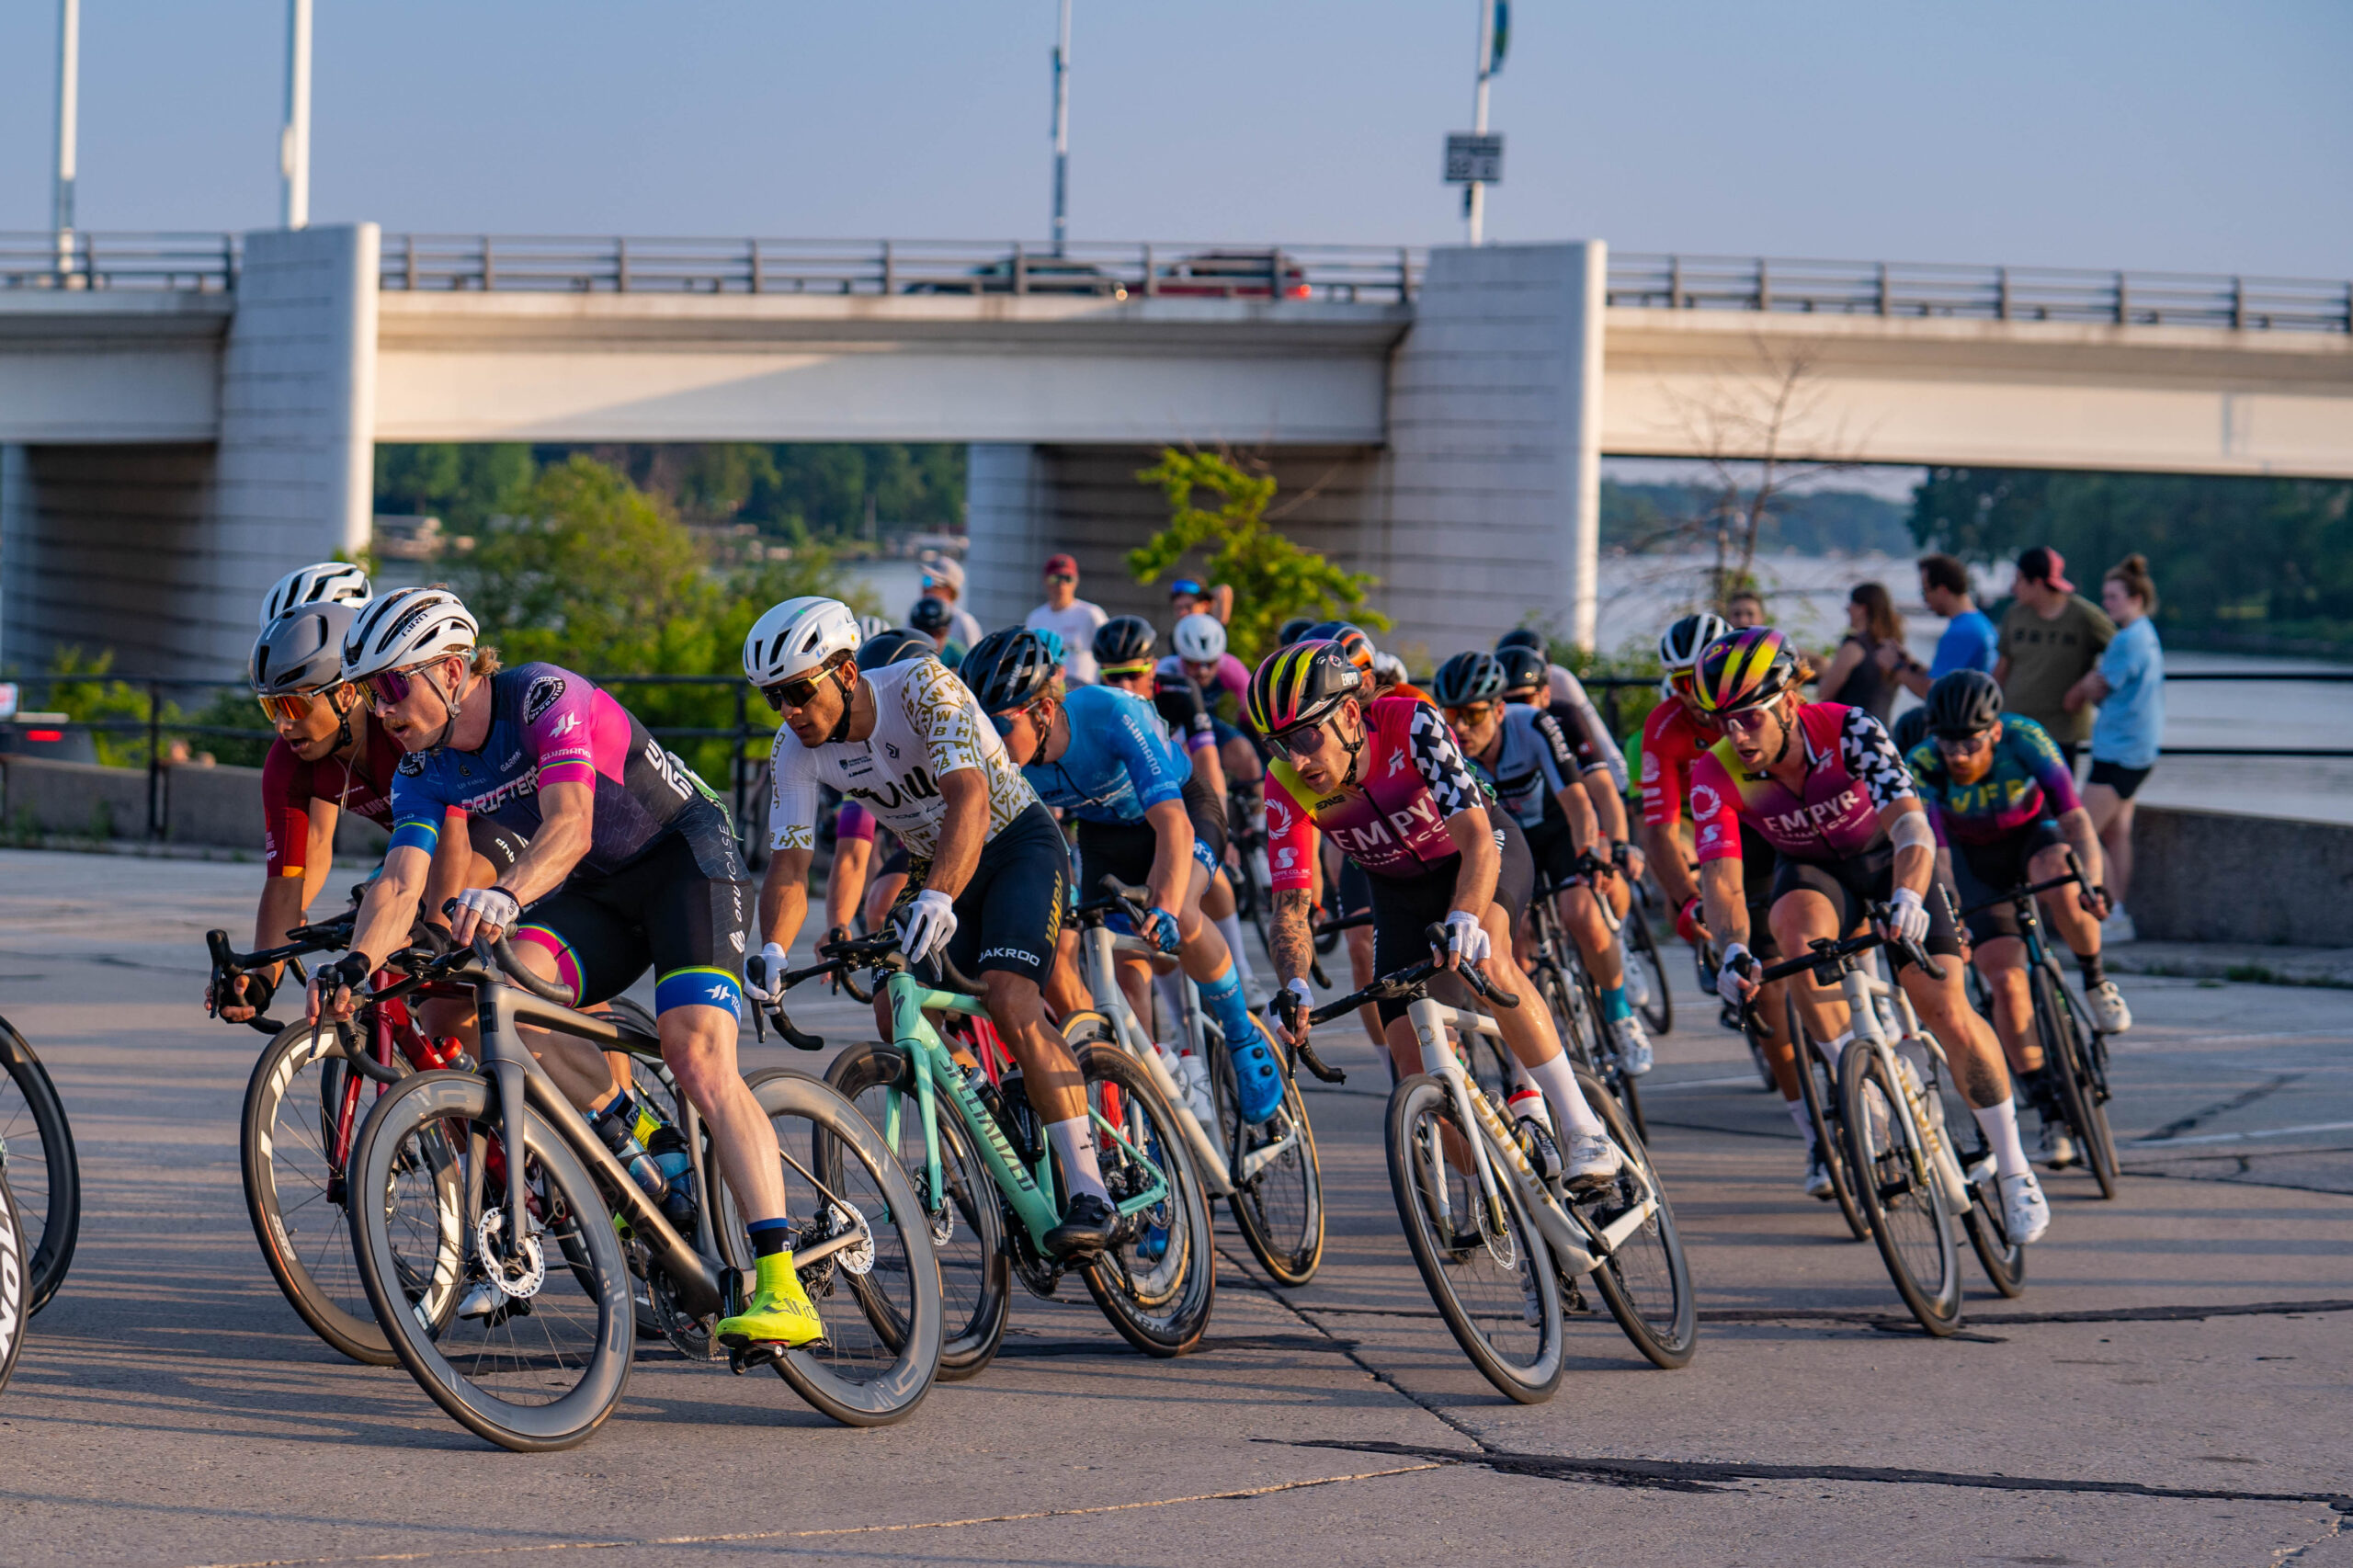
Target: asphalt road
[(2165, 1393)]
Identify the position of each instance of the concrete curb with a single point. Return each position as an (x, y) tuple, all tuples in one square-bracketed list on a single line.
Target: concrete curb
[(2247, 962)]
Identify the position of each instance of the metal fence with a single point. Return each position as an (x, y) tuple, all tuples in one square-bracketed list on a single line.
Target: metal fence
[(189, 263)]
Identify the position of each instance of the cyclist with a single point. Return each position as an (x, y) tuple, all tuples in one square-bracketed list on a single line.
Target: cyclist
[(1824, 785), (1340, 882), (854, 875), (1534, 771), (910, 744), (631, 862), (322, 583), (1201, 656), (331, 755), (2003, 805), (1386, 782), (936, 618), (1097, 754)]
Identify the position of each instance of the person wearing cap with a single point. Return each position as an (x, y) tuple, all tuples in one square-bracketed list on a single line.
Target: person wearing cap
[(944, 580), (1190, 595), (2051, 639), (1070, 618)]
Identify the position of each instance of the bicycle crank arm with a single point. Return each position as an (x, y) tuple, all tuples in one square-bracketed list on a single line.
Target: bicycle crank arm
[(804, 1256), (1614, 1234)]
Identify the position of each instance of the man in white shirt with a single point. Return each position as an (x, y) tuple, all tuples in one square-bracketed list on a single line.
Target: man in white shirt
[(944, 580), (1070, 618)]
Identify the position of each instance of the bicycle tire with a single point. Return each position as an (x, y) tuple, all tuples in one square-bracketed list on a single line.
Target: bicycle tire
[(1649, 1264), (1915, 1238), (1157, 1282), (1658, 1008), (15, 1276), (2002, 1259), (1285, 1234), (435, 1106), (2064, 1050), (1481, 1294), (1623, 1086), (1818, 1087), (284, 1144), (976, 1268), (875, 1365), (48, 1188)]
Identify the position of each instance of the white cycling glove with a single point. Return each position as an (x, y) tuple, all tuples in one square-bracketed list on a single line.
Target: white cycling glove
[(763, 969), (1728, 978), (1907, 917), (494, 907), (1465, 938), (1293, 988), (927, 925)]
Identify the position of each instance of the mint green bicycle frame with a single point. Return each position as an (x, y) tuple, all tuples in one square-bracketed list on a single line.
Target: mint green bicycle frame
[(1030, 1192)]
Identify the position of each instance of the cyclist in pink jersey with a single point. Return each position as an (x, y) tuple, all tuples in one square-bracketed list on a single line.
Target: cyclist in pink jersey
[(1386, 781), (1823, 785)]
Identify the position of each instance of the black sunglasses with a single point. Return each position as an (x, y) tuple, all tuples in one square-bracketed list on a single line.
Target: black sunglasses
[(795, 693)]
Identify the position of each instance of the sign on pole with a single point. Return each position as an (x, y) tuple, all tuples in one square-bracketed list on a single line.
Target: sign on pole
[(1474, 158)]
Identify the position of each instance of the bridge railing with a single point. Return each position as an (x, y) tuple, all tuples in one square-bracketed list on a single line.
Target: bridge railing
[(1349, 274), (201, 263), (1984, 293)]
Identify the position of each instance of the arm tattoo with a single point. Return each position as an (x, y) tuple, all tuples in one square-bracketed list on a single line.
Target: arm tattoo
[(1288, 940)]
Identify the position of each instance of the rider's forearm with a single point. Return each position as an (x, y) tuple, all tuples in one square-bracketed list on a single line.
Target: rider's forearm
[(1915, 868), (845, 885), (962, 830), (1584, 828), (1609, 806), (1662, 847), (1474, 884), (2076, 825), (566, 823), (1287, 943), (1726, 899), (318, 857), (784, 896), (280, 912), (390, 907), (1172, 852)]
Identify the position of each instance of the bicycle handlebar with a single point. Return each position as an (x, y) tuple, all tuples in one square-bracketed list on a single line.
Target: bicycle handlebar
[(1829, 952), (1410, 983)]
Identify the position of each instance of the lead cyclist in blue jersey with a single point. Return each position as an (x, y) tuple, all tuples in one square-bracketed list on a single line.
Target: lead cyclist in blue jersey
[(631, 862), (1100, 754)]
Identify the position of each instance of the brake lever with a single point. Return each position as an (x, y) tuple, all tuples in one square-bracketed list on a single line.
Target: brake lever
[(1315, 1064)]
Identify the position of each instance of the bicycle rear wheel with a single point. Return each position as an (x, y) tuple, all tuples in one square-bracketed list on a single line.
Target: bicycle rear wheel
[(1157, 1280), (1818, 1086), (38, 1146), (543, 1367), (967, 1220), (1277, 1199), (2065, 1046), (15, 1299), (1642, 948), (1491, 1274), (877, 1362), (1646, 1282), (1916, 1237)]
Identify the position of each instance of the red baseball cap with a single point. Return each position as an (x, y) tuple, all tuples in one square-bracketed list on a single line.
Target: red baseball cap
[(1061, 564), (2044, 564)]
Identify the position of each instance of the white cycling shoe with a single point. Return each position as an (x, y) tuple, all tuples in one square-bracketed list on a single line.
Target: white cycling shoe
[(1591, 1162), (2026, 1215), (2110, 1014), (1634, 1045), (1817, 1175), (2057, 1150)]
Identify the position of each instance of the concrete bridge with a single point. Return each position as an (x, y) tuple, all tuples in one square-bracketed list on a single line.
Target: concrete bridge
[(182, 419)]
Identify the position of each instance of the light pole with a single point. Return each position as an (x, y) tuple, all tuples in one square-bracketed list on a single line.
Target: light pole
[(294, 139), (1061, 132), (69, 75), (1474, 195)]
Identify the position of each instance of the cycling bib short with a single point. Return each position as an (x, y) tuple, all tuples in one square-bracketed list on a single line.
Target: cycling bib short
[(1010, 914), (1126, 850)]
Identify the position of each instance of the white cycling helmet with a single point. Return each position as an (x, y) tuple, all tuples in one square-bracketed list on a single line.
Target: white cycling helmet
[(408, 627), (1680, 645), (1199, 638), (796, 637), (327, 583)]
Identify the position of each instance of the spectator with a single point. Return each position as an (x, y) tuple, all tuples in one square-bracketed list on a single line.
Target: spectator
[(1071, 617), (1860, 673), (2130, 688), (944, 579), (1190, 595), (1969, 639), (2050, 640), (936, 618), (1744, 609)]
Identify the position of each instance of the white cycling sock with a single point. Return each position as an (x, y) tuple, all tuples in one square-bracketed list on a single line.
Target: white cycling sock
[(1558, 1082), (1834, 1047), (1074, 1142), (1805, 1123), (2001, 1125), (1230, 927)]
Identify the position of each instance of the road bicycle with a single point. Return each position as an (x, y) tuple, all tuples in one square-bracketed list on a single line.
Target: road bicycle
[(1267, 1175), (16, 1306), (984, 1173), (1498, 1242), (1914, 1192), (1645, 968), (1246, 867), (1707, 958), (37, 1154), (497, 1238), (2075, 1054), (1570, 994)]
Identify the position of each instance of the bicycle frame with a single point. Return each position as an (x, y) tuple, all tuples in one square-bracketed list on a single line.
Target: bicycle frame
[(1100, 947), (1941, 1172)]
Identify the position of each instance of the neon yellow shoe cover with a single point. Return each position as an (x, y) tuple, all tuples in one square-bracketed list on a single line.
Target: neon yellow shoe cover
[(780, 1310)]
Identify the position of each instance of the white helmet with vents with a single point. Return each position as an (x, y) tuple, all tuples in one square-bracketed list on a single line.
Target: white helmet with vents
[(326, 582), (796, 637), (408, 627), (1199, 638)]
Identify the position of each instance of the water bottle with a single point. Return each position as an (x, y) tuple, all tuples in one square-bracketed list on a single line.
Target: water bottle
[(621, 1137), (676, 1163)]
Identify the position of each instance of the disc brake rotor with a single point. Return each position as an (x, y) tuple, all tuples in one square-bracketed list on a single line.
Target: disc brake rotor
[(520, 1276)]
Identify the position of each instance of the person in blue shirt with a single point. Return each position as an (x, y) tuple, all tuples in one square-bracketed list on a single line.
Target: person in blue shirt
[(1101, 755), (1969, 639), (2128, 685)]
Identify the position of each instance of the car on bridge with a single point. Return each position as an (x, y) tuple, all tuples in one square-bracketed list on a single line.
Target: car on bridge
[(1028, 275), (1234, 275)]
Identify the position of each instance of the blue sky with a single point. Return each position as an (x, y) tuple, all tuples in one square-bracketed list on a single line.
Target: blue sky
[(2153, 135)]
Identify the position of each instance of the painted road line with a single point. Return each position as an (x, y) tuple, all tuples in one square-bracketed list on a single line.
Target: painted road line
[(2239, 1137)]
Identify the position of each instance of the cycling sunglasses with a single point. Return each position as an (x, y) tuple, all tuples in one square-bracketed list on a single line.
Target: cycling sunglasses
[(1184, 589), (1300, 740), (389, 687), (1003, 722), (1963, 745), (1120, 672), (1747, 720), (1470, 714), (787, 694), (291, 708)]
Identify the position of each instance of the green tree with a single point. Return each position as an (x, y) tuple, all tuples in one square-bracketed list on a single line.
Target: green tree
[(464, 485), (79, 688), (1273, 578)]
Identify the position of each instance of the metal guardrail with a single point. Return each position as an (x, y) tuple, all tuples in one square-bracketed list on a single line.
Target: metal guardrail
[(1983, 293), (189, 263)]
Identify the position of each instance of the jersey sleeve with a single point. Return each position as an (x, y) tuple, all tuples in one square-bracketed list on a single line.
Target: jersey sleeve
[(2045, 764), (1871, 760), (1715, 811), (417, 808), (1596, 747), (285, 812), (1291, 835), (1665, 777), (1439, 761), (1157, 772), (559, 726), (793, 795), (1553, 753), (945, 716)]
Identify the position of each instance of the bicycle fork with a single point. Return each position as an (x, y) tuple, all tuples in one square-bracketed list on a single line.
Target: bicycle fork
[(1933, 1165)]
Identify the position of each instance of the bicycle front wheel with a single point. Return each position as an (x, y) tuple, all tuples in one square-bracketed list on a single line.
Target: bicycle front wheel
[(38, 1146), (1894, 1187), (1488, 1269), (1277, 1199), (2065, 1047), (15, 1299), (1645, 1281), (1642, 948), (1158, 1279), (1818, 1086), (535, 1356)]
